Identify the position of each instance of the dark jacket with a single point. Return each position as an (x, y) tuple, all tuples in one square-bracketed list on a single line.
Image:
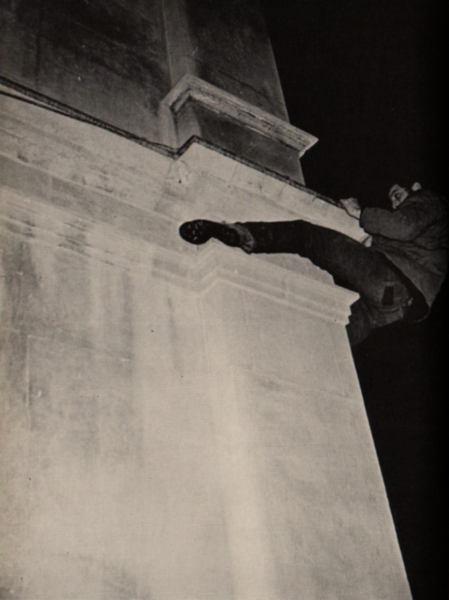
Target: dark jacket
[(414, 237)]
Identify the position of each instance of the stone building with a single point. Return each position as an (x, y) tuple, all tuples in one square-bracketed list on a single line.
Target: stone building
[(177, 422)]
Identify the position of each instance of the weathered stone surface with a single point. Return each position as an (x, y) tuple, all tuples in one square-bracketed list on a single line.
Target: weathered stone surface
[(213, 40), (105, 58), (178, 421)]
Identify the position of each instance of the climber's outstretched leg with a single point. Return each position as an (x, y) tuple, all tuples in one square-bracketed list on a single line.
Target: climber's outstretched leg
[(385, 295), (358, 268)]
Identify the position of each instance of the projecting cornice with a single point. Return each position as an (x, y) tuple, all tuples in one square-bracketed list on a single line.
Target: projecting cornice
[(193, 88), (195, 107)]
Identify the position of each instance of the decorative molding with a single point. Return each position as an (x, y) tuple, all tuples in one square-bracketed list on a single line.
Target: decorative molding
[(195, 269), (281, 285), (217, 100)]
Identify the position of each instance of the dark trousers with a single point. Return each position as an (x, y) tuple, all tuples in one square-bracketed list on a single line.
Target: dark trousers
[(384, 293)]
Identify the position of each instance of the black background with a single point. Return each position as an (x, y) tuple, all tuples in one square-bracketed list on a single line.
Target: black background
[(368, 79)]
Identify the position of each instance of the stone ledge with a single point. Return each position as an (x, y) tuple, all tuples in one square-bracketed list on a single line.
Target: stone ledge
[(284, 286), (138, 249), (44, 143), (194, 88), (79, 152)]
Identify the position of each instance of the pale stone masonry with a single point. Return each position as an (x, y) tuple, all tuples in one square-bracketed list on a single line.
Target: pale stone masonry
[(178, 423)]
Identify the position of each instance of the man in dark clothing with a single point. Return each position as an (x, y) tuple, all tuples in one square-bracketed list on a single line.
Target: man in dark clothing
[(398, 276)]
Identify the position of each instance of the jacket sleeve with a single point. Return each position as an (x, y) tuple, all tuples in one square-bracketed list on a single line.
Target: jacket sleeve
[(406, 222)]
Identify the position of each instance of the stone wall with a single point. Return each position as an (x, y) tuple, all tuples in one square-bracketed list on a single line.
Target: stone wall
[(177, 422), (106, 58), (116, 60), (208, 62)]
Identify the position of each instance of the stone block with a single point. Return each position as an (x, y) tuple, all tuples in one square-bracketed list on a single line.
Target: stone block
[(97, 207), (256, 182), (22, 178), (79, 153), (78, 406), (106, 61), (129, 106), (295, 199), (209, 162), (306, 434), (19, 43)]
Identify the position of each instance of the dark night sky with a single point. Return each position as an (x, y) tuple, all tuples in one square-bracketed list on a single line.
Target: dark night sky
[(367, 78)]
